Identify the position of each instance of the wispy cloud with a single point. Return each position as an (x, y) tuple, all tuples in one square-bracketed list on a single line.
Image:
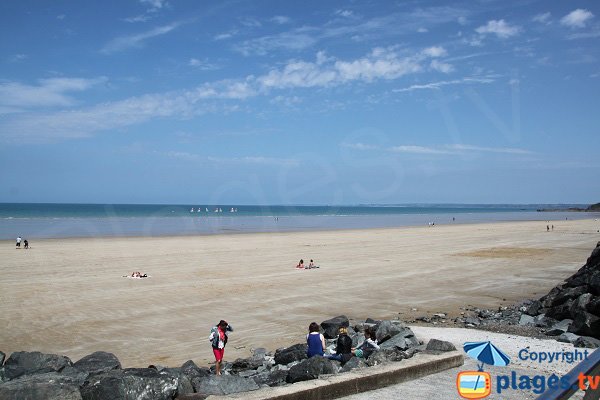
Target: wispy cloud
[(135, 41), (445, 149), (155, 4), (577, 18), (225, 35), (51, 92), (344, 13), (203, 65), (17, 57), (544, 18), (249, 160), (500, 28), (281, 19), (439, 84)]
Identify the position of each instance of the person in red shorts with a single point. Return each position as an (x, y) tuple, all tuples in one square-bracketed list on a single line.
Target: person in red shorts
[(218, 339)]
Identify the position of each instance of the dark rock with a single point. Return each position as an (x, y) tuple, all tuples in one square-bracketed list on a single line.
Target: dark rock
[(473, 321), (184, 382), (191, 370), (533, 309), (561, 312), (439, 345), (133, 383), (548, 299), (389, 355), (567, 337), (587, 341), (259, 354), (388, 329), (290, 354), (586, 324), (363, 326), (271, 378), (44, 386), (2, 357), (311, 368), (98, 362), (372, 321), (331, 326), (244, 364), (223, 385), (357, 339), (594, 306), (567, 294), (27, 363), (594, 283), (403, 340), (544, 322), (559, 328), (354, 363)]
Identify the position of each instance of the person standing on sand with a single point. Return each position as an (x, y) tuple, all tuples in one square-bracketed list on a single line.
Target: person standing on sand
[(18, 242), (25, 244), (218, 339)]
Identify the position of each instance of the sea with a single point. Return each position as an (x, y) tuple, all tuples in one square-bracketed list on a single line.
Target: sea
[(53, 220)]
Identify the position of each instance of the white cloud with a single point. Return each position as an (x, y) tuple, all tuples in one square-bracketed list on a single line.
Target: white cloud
[(417, 150), (576, 18), (154, 4), (439, 84), (61, 17), (138, 18), (344, 13), (203, 65), (543, 18), (441, 66), (250, 22), (359, 146), (422, 30), (281, 19), (225, 35), (457, 149), (295, 40), (49, 93), (435, 51), (500, 28), (17, 57), (127, 42)]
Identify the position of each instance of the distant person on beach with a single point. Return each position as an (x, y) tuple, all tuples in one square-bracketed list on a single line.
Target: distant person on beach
[(315, 341), (311, 264), (547, 228), (368, 346), (343, 348), (300, 264), (218, 339), (19, 242), (25, 244)]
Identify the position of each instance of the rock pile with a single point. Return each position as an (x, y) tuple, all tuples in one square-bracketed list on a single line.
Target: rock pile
[(34, 375)]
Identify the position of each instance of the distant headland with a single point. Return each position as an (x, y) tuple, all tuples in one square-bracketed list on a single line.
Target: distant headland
[(592, 208)]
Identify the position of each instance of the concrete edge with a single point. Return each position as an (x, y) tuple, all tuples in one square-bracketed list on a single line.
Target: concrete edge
[(357, 381)]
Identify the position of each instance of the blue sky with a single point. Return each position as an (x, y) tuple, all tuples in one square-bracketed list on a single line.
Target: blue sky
[(281, 102)]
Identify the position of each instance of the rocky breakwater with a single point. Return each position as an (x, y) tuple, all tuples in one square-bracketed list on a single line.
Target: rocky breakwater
[(571, 310), (98, 376)]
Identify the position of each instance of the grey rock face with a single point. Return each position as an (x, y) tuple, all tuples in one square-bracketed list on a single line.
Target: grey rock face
[(134, 383), (311, 368), (224, 384), (331, 326), (290, 354), (27, 363), (46, 386), (439, 345), (98, 362)]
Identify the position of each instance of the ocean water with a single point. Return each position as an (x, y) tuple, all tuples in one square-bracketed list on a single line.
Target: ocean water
[(37, 220)]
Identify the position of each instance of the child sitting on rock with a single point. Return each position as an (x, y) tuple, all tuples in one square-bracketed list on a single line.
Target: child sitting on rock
[(368, 346)]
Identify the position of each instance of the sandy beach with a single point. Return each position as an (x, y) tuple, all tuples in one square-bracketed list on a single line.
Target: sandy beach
[(69, 296)]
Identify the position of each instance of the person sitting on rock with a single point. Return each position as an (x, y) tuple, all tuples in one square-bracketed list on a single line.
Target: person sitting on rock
[(315, 341), (368, 346), (343, 348)]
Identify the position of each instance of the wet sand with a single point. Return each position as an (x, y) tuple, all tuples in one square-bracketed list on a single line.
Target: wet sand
[(69, 296)]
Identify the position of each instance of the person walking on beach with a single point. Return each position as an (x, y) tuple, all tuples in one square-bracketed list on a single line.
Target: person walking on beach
[(315, 341), (25, 244), (18, 242), (218, 339)]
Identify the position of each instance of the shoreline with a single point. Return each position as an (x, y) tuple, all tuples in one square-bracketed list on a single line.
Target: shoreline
[(67, 296)]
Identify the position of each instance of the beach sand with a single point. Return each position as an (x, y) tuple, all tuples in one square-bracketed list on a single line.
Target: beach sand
[(69, 296)]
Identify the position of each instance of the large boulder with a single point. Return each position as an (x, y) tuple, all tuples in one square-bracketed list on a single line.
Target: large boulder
[(133, 383), (28, 363), (585, 324), (388, 329), (311, 368), (191, 370), (44, 386), (223, 385), (184, 382), (439, 345), (331, 326), (402, 340), (271, 378), (353, 363), (587, 341), (98, 362), (559, 328), (290, 354)]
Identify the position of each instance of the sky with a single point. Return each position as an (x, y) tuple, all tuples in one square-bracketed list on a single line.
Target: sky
[(285, 102)]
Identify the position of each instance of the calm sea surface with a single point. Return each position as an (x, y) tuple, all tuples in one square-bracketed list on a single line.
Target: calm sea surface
[(37, 220)]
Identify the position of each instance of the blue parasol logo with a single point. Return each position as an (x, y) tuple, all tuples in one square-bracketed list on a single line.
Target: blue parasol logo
[(486, 353)]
